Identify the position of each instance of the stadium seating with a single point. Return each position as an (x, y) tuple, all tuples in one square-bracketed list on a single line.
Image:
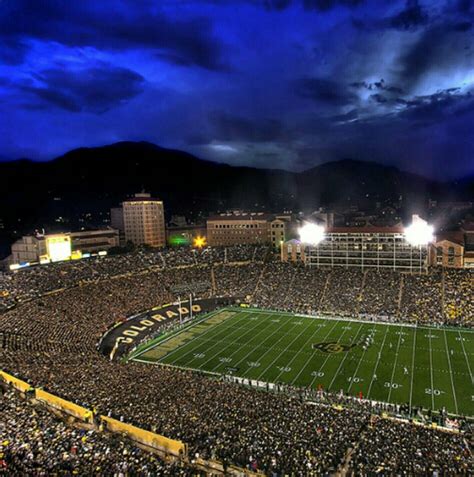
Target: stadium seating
[(54, 316)]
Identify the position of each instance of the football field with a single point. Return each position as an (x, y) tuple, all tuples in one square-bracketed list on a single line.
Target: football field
[(394, 363)]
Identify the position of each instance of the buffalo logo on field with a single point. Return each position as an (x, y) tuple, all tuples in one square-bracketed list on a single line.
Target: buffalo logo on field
[(333, 347)]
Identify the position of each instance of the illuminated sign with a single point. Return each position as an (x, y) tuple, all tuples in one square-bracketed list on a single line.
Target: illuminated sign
[(178, 239), (58, 247)]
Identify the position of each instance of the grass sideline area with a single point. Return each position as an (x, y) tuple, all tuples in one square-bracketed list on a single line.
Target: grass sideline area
[(394, 363)]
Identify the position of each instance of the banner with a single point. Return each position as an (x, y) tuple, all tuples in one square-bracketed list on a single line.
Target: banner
[(124, 336)]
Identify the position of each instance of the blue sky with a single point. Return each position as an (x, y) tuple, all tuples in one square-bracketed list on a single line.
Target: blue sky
[(271, 83)]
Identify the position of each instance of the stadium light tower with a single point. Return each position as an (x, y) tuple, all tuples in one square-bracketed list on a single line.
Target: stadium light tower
[(419, 233), (311, 233)]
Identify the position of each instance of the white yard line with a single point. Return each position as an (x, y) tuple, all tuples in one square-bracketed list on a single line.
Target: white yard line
[(451, 373), (211, 328), (431, 374), (313, 334), (377, 362), (465, 356), (285, 322), (283, 352), (344, 359), (174, 333), (358, 366), (395, 363), (327, 358), (218, 342), (313, 353), (412, 368)]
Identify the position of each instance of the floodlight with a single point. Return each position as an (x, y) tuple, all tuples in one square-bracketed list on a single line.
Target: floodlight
[(199, 242), (311, 233), (419, 232)]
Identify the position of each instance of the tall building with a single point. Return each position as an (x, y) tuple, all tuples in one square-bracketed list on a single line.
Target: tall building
[(144, 220)]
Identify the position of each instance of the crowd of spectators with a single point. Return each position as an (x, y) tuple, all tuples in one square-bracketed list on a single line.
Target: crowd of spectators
[(459, 296), (32, 282), (217, 419), (422, 298), (380, 295), (274, 287), (343, 291), (308, 289), (208, 271), (50, 341), (396, 448), (35, 442), (237, 280)]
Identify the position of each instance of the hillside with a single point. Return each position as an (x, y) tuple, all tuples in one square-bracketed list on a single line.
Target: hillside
[(94, 179)]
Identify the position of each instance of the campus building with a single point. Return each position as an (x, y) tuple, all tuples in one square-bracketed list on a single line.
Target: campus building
[(454, 249), (144, 221), (61, 246), (237, 228)]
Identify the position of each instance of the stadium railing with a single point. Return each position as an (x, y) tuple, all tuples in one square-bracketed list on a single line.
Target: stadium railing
[(16, 383), (147, 438)]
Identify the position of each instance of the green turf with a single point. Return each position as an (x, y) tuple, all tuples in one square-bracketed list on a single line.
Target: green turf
[(429, 367)]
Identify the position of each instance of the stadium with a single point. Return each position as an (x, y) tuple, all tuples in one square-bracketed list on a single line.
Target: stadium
[(226, 360)]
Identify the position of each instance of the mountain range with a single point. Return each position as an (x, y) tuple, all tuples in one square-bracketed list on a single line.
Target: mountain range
[(91, 180)]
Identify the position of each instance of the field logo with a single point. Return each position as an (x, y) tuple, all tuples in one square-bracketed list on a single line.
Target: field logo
[(333, 347)]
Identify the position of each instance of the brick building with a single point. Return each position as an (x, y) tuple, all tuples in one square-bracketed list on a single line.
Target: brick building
[(249, 228)]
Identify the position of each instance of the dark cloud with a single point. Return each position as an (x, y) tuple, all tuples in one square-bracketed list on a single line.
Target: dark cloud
[(377, 85), (96, 89), (323, 90), (320, 5), (412, 16), (12, 51), (465, 6), (435, 107), (462, 26), (112, 25), (438, 48), (304, 82), (235, 128), (378, 98), (325, 5), (277, 4)]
